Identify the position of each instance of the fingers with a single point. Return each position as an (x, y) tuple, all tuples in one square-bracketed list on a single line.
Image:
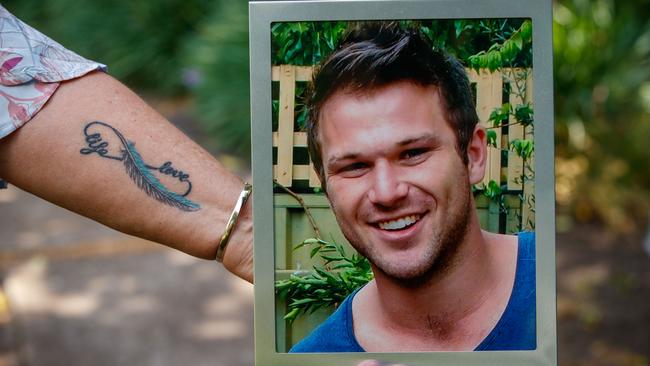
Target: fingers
[(369, 363), (378, 363)]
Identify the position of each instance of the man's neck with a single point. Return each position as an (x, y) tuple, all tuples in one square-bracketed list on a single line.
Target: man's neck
[(453, 310)]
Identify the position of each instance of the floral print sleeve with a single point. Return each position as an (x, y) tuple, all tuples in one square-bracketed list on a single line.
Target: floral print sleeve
[(31, 67)]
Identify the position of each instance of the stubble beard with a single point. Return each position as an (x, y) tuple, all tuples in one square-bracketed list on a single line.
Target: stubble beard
[(438, 256)]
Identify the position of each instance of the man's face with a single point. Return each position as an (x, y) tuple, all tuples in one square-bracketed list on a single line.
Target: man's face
[(395, 180)]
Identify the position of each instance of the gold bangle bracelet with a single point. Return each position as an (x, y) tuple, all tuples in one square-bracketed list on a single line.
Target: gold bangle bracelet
[(232, 221)]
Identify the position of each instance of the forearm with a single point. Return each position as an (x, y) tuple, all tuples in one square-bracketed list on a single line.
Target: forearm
[(99, 150)]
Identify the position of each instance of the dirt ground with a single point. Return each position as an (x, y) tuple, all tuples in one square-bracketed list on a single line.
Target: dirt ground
[(603, 283)]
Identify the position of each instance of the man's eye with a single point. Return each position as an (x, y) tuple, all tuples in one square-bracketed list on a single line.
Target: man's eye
[(413, 153), (353, 167)]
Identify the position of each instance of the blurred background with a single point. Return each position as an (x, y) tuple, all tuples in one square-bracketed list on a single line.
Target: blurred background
[(76, 293)]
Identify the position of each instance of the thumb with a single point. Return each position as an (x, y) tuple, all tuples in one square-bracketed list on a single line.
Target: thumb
[(369, 363)]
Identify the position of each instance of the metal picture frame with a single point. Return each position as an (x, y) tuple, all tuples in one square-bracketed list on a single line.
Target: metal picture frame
[(263, 14)]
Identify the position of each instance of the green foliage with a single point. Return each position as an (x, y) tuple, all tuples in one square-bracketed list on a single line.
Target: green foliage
[(218, 54), (140, 41), (492, 138), (163, 47), (523, 148), (304, 43), (524, 114), (465, 38), (492, 190), (301, 112), (499, 116), (496, 193), (506, 52), (602, 88), (324, 286)]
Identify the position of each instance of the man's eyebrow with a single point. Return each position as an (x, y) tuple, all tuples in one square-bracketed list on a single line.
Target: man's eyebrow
[(425, 138), (337, 158)]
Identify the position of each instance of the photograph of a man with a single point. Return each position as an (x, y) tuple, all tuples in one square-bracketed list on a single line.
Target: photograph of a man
[(394, 137)]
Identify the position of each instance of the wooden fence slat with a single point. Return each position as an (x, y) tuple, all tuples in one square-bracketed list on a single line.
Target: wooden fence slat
[(303, 73), (302, 172), (528, 209), (285, 124), (313, 177), (299, 172), (529, 87), (495, 159), (281, 236), (488, 97), (299, 139), (515, 131)]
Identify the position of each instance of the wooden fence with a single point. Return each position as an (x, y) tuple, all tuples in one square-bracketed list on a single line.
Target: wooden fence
[(489, 88)]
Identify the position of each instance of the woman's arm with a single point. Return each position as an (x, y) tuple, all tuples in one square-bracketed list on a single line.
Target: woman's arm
[(97, 149)]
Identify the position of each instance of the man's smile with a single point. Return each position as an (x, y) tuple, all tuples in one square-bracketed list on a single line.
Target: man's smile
[(399, 223), (400, 230)]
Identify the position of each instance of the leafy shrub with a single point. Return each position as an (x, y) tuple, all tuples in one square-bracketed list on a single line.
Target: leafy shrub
[(141, 41), (323, 286), (218, 55)]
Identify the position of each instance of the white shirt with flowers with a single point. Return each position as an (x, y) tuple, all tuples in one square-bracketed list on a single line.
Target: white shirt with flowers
[(31, 68)]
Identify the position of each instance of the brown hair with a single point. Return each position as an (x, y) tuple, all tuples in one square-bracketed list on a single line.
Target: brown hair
[(373, 55)]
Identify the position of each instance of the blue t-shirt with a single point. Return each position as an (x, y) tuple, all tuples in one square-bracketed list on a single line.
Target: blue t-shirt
[(516, 330)]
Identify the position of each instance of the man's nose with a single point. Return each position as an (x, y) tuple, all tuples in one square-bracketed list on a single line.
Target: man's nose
[(387, 189)]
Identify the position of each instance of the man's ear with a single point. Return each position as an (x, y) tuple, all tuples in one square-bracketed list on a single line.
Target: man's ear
[(477, 155)]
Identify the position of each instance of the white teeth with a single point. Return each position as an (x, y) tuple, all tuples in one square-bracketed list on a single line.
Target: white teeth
[(399, 223)]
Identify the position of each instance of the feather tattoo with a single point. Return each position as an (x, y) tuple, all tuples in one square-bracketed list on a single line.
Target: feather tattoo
[(145, 180), (141, 173)]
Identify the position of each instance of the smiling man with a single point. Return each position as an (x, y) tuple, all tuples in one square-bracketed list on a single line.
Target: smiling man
[(394, 136)]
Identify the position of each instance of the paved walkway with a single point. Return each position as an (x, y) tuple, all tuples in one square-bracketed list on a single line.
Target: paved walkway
[(77, 293)]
